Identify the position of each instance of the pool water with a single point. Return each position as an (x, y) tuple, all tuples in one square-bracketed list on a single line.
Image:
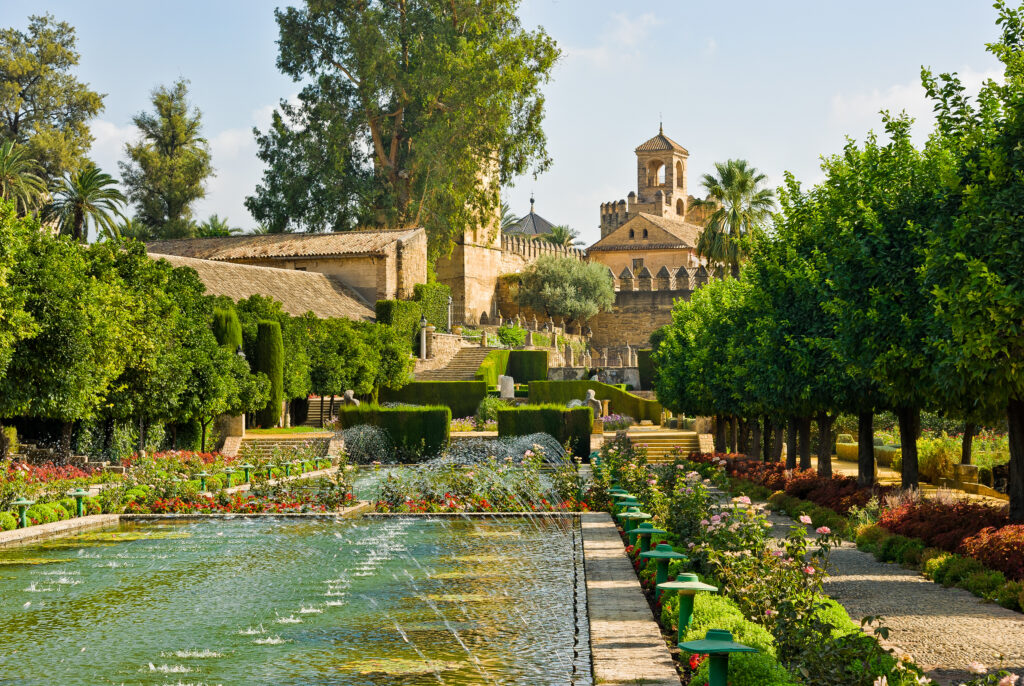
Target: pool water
[(399, 600)]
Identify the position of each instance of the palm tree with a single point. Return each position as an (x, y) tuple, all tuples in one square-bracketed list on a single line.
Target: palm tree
[(741, 205), (507, 218), (215, 227), (562, 235), (18, 179), (87, 196), (134, 228)]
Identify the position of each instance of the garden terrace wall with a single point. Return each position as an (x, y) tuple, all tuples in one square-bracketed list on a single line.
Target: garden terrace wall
[(573, 425), (462, 397), (415, 431), (620, 401)]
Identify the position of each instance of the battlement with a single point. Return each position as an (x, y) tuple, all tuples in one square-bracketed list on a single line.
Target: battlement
[(533, 248), (686, 279)]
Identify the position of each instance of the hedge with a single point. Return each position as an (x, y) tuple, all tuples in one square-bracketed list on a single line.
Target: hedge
[(573, 425), (401, 315), (493, 366), (270, 361), (462, 397), (528, 365), (433, 300), (646, 368), (621, 402), (226, 327), (414, 431)]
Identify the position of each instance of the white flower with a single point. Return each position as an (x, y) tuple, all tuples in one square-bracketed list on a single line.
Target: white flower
[(1008, 680), (976, 668), (881, 681)]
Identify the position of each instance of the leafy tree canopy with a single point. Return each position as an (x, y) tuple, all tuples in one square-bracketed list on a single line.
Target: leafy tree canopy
[(569, 288)]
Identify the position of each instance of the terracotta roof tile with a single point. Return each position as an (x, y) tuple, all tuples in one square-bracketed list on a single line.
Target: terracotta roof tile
[(661, 142), (685, 233), (282, 245)]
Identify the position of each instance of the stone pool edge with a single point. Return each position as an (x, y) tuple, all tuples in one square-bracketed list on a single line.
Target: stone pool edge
[(626, 645), (68, 527)]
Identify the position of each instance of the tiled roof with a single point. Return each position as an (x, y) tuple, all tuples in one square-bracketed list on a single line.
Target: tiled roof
[(661, 142), (686, 235), (531, 225), (298, 291), (282, 245)]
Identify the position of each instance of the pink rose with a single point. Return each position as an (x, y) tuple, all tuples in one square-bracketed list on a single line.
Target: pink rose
[(808, 570), (824, 530), (804, 519)]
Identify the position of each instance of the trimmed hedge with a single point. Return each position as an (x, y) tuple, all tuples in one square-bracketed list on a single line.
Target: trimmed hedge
[(462, 397), (401, 315), (573, 425), (433, 300), (270, 361), (621, 402), (528, 365), (416, 432), (493, 366), (847, 451), (646, 368)]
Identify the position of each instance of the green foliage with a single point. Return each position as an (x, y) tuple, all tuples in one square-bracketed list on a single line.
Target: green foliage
[(375, 135), (645, 368), (984, 583), (493, 366), (433, 300), (417, 433), (87, 196), (487, 410), (620, 402), (15, 322), (269, 360), (528, 365), (43, 107), (8, 521), (1008, 595), (572, 425), (167, 170), (513, 336), (226, 327), (296, 334), (403, 316), (19, 180), (391, 363), (462, 397), (566, 287)]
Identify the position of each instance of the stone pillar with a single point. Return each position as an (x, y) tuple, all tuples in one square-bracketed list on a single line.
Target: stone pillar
[(534, 327), (570, 358), (529, 338), (431, 330), (604, 357), (618, 359), (483, 339), (423, 342)]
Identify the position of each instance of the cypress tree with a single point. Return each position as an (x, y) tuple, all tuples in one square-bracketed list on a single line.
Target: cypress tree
[(226, 327), (270, 361)]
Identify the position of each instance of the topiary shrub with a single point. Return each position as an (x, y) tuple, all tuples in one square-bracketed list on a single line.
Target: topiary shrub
[(227, 329), (845, 438), (573, 425), (493, 366), (8, 521), (415, 433), (270, 361), (527, 365), (462, 397), (403, 316), (620, 402)]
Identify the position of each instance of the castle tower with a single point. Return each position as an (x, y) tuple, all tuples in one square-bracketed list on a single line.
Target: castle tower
[(660, 183)]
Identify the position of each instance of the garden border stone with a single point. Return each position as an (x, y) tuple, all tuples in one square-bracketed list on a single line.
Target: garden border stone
[(41, 532)]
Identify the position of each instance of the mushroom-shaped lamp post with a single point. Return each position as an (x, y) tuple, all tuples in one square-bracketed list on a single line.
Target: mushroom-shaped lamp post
[(717, 645), (23, 504), (229, 471), (78, 494), (644, 532), (202, 481), (270, 472), (247, 468), (287, 469), (662, 553), (621, 504), (686, 586), (631, 517)]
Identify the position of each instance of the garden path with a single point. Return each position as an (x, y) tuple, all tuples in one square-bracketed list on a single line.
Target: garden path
[(941, 629)]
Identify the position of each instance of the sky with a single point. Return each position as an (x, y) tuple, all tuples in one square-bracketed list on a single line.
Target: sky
[(778, 84)]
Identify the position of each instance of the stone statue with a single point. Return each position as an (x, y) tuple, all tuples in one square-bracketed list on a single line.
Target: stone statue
[(593, 403), (506, 387), (350, 398)]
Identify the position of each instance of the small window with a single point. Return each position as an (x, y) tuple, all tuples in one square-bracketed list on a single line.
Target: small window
[(638, 264), (300, 269), (632, 233), (645, 233)]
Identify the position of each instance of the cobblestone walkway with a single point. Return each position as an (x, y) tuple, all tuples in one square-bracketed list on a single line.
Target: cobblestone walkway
[(941, 629)]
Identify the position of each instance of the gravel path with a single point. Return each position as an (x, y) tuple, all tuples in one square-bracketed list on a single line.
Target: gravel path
[(941, 629)]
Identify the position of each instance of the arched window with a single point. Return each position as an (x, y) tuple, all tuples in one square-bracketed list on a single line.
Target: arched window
[(655, 173), (679, 175), (645, 233), (680, 207), (632, 233)]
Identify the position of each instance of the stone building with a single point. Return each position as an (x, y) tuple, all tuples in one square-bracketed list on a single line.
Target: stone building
[(529, 225), (378, 264)]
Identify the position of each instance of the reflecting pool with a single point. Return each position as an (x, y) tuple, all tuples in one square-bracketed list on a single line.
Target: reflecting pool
[(397, 600)]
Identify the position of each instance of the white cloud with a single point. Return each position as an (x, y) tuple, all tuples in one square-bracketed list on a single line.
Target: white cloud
[(618, 43), (108, 144)]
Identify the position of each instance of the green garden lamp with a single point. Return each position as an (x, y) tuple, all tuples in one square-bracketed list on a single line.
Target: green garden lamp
[(631, 517), (229, 471), (622, 504), (644, 531), (617, 490), (686, 587), (247, 468), (79, 494), (287, 469), (717, 645), (23, 504), (202, 480), (662, 553), (270, 472)]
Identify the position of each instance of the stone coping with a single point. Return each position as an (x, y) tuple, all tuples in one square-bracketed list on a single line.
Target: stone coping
[(298, 436), (42, 532), (273, 482), (626, 645), (345, 512), (560, 513)]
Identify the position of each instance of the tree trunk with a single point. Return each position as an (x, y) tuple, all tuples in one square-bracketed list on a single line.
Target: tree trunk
[(733, 435), (719, 434), (777, 441), (910, 428), (825, 443), (766, 439), (174, 436), (202, 441), (791, 443), (65, 441), (970, 428), (286, 416), (804, 434), (866, 449), (321, 412), (332, 408), (4, 447), (1015, 488), (754, 445)]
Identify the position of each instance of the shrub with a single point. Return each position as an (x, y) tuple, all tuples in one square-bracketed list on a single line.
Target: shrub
[(1010, 595), (8, 521), (847, 451), (415, 432), (513, 336), (870, 537), (493, 366), (958, 568), (401, 315), (984, 583), (528, 365), (270, 361), (935, 567), (844, 438), (620, 402), (645, 368), (573, 425), (999, 548), (487, 410), (891, 550), (93, 506), (889, 455), (911, 552), (12, 438), (462, 397), (227, 329), (433, 301), (61, 513), (942, 525)]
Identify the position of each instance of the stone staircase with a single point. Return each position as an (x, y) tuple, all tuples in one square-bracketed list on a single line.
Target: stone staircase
[(263, 447), (660, 444), (461, 368)]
